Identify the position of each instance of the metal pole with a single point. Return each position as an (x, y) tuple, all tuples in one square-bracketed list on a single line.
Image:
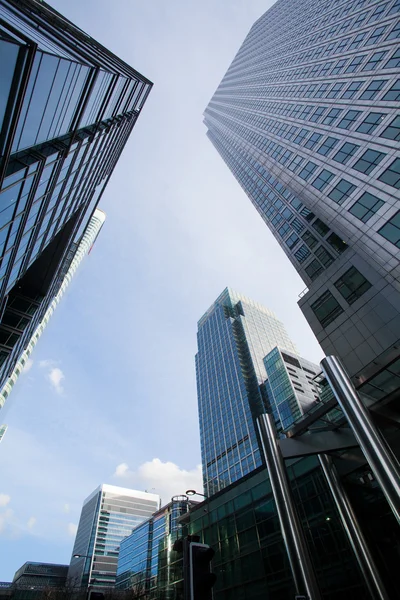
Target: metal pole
[(381, 459), (353, 531), (292, 532)]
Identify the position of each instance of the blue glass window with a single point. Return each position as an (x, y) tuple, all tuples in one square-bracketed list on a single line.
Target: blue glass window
[(8, 61), (366, 206)]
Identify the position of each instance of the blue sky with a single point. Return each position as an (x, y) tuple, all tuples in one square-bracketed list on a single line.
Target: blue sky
[(111, 396)]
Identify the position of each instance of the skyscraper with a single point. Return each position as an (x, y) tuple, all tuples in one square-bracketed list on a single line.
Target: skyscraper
[(291, 386), (77, 253), (234, 336), (108, 515), (67, 108), (147, 562), (306, 118)]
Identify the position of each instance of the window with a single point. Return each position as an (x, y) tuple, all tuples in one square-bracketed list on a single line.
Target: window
[(332, 116), (326, 308), (337, 243), (391, 230), (314, 269), (355, 63), (352, 89), (392, 175), (302, 253), (378, 12), (373, 89), (322, 180), (314, 139), (394, 92), (297, 225), (366, 206), (309, 239), (352, 285), (307, 214), (327, 146), (324, 256), (342, 191), (308, 170), (369, 160), (349, 119), (321, 110), (296, 162), (345, 153), (371, 122), (357, 40), (283, 230), (393, 62), (287, 213), (320, 227), (300, 137), (374, 61), (395, 8), (338, 68), (335, 90), (395, 33), (292, 240), (321, 90), (393, 131), (376, 35)]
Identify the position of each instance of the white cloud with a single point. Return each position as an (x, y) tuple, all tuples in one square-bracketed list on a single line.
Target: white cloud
[(164, 478), (66, 508), (122, 470), (56, 376), (28, 366), (31, 522), (4, 499), (72, 529), (48, 362)]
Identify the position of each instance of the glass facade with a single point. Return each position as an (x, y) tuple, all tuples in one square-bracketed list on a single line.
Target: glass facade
[(147, 562), (108, 515), (291, 388), (77, 253), (234, 336), (67, 108), (250, 561), (306, 118)]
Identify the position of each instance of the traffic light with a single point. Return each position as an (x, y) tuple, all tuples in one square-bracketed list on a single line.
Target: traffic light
[(201, 579)]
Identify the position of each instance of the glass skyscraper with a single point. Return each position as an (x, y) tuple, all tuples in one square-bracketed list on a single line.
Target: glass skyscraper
[(234, 336), (108, 515), (307, 119), (147, 563), (77, 253), (67, 108)]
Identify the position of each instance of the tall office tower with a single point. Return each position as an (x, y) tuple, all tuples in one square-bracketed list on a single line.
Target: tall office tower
[(306, 118), (67, 108), (147, 562), (77, 253), (291, 387), (234, 336), (108, 515)]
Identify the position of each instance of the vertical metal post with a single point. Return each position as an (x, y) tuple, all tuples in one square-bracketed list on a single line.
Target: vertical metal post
[(353, 531), (292, 532), (381, 459)]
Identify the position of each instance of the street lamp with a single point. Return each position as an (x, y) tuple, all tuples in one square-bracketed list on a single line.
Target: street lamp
[(194, 493)]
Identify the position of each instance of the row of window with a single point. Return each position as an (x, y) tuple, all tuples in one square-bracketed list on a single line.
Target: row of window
[(339, 47), (366, 164)]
